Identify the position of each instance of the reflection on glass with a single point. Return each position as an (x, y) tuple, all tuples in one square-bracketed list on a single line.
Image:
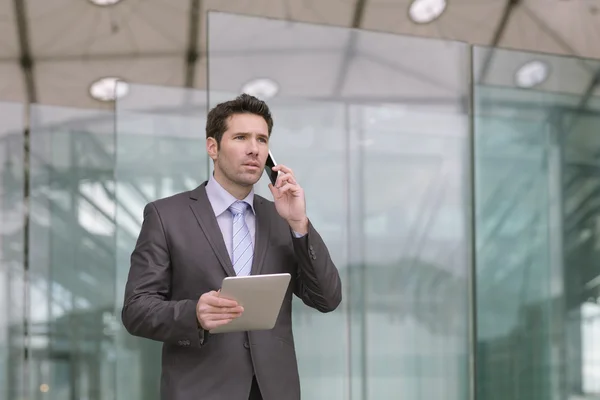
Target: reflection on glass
[(71, 254), (160, 151), (12, 288)]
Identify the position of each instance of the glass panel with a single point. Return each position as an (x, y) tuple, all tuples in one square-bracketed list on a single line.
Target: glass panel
[(12, 287), (411, 177), (536, 152), (160, 147), (581, 190), (382, 157), (71, 257)]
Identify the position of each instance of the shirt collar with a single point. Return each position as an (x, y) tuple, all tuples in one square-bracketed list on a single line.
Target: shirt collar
[(220, 199)]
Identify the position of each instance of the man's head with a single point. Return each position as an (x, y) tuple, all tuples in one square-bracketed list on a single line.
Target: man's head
[(237, 140)]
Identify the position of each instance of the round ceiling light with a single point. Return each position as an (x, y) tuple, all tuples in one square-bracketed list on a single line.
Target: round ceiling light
[(107, 89), (104, 3), (263, 88), (425, 11), (532, 74)]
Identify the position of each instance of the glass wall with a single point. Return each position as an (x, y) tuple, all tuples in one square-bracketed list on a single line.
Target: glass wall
[(381, 150), (12, 275), (536, 185), (71, 254), (581, 188)]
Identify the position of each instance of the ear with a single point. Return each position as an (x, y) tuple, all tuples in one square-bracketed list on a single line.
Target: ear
[(212, 148)]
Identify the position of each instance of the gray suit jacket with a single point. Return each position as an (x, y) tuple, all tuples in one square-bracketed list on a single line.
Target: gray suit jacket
[(180, 254)]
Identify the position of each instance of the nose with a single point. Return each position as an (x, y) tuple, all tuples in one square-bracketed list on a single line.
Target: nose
[(253, 147)]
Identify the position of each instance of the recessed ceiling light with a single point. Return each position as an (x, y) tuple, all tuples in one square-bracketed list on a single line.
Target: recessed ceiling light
[(263, 88), (425, 11), (104, 3), (532, 74), (106, 89)]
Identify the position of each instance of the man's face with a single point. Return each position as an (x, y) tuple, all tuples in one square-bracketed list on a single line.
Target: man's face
[(240, 158)]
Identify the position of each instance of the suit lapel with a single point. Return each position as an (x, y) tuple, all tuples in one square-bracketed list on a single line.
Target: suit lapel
[(205, 215), (263, 224)]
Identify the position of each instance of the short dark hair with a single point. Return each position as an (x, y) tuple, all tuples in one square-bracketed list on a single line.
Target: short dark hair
[(216, 121)]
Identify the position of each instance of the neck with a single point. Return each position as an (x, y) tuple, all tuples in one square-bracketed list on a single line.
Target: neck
[(238, 191)]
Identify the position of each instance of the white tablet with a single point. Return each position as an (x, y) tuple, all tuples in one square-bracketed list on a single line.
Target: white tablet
[(260, 295)]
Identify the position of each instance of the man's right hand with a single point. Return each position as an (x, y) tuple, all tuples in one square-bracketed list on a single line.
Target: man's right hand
[(213, 311)]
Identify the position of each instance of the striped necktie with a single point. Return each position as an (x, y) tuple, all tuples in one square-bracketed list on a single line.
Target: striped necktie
[(242, 241)]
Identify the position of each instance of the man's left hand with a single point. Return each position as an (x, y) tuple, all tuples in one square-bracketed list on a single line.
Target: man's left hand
[(289, 199)]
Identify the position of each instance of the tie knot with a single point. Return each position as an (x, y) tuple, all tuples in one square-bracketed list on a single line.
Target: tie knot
[(239, 207)]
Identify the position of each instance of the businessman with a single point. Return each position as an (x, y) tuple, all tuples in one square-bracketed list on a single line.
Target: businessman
[(191, 241)]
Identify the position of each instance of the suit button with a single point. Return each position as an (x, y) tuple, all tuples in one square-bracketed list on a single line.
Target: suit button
[(247, 345), (180, 343)]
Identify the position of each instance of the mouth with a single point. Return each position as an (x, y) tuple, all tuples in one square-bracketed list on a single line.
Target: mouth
[(252, 165)]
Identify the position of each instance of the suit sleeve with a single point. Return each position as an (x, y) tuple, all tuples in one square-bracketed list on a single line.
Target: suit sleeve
[(318, 281), (148, 310)]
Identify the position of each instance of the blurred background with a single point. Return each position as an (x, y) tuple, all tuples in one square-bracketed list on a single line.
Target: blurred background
[(450, 152)]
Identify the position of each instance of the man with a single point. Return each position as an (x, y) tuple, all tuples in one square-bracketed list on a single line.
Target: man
[(191, 241)]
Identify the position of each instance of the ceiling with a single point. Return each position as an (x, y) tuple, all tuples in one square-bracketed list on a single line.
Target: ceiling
[(51, 51)]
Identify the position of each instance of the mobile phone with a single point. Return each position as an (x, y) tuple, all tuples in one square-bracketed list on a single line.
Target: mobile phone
[(269, 168)]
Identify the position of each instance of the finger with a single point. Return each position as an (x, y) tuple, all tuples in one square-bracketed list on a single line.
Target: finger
[(283, 168), (283, 178), (210, 325), (220, 310), (208, 296), (226, 303), (288, 187), (219, 317), (206, 309), (211, 321), (278, 180), (215, 324), (215, 301), (274, 191)]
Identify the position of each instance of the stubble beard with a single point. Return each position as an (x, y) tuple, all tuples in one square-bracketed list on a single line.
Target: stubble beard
[(241, 179)]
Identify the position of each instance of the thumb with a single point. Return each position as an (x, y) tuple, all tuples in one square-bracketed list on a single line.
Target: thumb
[(273, 190)]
